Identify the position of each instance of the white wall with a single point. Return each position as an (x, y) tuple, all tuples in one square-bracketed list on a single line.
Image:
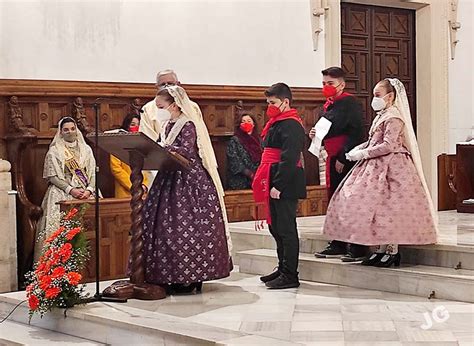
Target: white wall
[(241, 42), (461, 79)]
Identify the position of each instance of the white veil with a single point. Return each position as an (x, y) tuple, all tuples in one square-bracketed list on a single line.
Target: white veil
[(205, 149), (410, 142), (57, 149)]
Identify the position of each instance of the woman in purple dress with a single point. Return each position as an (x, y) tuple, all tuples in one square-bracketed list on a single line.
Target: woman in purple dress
[(185, 224)]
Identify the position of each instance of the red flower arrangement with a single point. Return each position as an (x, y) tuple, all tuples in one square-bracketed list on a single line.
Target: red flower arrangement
[(55, 279)]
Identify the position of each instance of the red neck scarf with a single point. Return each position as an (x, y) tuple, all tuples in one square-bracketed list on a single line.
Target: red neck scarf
[(331, 100), (251, 143), (289, 114)]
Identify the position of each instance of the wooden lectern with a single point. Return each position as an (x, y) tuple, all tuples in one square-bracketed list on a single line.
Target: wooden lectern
[(139, 152)]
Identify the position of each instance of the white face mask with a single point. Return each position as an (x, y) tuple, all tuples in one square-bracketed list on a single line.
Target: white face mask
[(163, 114), (378, 103)]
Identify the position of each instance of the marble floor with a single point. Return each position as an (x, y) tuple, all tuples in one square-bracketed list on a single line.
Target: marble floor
[(320, 314), (454, 228), (241, 311)]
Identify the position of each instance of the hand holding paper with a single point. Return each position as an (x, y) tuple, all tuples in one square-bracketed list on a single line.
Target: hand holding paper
[(321, 130)]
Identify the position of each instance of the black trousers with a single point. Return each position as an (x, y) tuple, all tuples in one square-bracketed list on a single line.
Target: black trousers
[(335, 177), (283, 230)]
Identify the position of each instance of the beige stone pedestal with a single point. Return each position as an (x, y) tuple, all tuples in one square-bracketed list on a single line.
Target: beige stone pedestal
[(8, 254)]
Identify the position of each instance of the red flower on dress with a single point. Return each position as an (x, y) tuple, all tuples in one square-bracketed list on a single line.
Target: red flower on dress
[(73, 278), (72, 233), (33, 302), (52, 292), (58, 273)]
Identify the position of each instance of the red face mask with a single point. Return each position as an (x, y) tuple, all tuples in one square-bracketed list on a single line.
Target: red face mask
[(330, 90), (247, 127), (134, 128), (273, 111)]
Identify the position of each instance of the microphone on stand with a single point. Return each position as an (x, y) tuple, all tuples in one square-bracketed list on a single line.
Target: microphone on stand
[(98, 296)]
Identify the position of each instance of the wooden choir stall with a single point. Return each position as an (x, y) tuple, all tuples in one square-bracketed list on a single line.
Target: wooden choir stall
[(456, 179), (32, 108)]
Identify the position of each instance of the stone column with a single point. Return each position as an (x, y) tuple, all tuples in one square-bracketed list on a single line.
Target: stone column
[(8, 254)]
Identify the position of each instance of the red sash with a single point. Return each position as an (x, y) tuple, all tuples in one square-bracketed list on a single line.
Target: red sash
[(261, 180), (333, 146)]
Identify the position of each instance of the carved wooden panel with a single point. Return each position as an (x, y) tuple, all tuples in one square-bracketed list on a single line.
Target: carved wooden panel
[(241, 206), (114, 238), (377, 42), (464, 177), (446, 182)]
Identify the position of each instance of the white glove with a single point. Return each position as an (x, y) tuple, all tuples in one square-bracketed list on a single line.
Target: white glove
[(356, 155)]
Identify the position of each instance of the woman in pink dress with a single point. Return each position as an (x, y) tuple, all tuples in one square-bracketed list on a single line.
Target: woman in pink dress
[(384, 201)]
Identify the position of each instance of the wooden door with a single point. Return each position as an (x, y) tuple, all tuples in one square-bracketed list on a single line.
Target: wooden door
[(378, 42)]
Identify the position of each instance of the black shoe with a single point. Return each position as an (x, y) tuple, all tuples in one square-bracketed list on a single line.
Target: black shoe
[(387, 260), (271, 276), (353, 257), (332, 251), (187, 288), (283, 281), (373, 259)]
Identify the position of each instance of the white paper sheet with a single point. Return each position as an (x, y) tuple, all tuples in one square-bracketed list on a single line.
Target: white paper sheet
[(116, 131), (322, 128)]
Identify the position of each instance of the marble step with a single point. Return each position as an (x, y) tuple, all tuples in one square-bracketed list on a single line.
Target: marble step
[(417, 280), (439, 255), (13, 334), (115, 324)]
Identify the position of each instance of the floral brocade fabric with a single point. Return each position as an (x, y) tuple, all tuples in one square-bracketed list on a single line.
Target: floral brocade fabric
[(184, 229)]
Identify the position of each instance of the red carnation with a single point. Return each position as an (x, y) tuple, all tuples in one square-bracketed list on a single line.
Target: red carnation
[(65, 247), (29, 289), (55, 259), (65, 252), (58, 273), (73, 278), (52, 292), (45, 282), (55, 234), (66, 255), (72, 233), (40, 268), (71, 213), (33, 302), (47, 267)]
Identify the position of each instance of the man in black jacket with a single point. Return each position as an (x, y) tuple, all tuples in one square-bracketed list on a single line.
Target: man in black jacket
[(280, 181), (345, 114)]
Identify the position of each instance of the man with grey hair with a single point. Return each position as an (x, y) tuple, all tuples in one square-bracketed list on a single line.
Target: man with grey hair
[(151, 118), (150, 123)]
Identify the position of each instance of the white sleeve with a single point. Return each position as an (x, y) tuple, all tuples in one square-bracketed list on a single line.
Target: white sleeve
[(149, 123)]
